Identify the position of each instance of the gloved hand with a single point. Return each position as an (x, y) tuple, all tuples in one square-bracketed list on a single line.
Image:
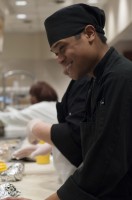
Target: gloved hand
[(33, 151), (24, 152), (42, 149), (38, 130), (31, 137)]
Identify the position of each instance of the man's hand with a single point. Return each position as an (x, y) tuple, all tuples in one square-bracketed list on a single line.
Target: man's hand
[(39, 130), (53, 197), (24, 152), (42, 149), (31, 137), (32, 151), (15, 198)]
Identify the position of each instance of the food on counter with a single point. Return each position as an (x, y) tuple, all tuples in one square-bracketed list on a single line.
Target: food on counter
[(8, 190), (3, 166), (6, 148), (13, 173)]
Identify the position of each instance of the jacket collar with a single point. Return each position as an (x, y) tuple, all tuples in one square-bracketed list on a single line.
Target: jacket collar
[(106, 60)]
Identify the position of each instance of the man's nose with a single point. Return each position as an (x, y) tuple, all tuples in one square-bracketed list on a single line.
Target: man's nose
[(60, 58)]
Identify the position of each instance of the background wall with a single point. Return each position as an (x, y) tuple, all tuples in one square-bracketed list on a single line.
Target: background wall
[(31, 52), (119, 24)]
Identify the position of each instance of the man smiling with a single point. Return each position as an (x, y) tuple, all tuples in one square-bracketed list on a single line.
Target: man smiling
[(76, 36)]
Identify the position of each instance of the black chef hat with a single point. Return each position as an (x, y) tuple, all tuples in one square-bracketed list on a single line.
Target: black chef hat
[(71, 20)]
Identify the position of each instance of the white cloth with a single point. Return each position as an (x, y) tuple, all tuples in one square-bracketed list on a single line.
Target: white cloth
[(63, 167)]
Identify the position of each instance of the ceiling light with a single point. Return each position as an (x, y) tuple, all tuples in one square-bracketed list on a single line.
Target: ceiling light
[(21, 3), (92, 1), (21, 16)]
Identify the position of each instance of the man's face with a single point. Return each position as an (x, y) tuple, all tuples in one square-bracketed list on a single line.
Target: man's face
[(75, 54)]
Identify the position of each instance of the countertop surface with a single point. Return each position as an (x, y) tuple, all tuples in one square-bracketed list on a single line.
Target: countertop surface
[(39, 181)]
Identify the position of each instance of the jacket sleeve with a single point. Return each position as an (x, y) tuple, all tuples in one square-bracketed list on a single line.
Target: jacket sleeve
[(70, 149), (68, 129), (106, 170)]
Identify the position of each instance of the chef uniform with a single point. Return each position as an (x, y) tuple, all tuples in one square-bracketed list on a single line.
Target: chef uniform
[(106, 131)]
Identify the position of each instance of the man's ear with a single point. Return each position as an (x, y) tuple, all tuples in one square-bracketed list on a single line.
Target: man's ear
[(89, 31)]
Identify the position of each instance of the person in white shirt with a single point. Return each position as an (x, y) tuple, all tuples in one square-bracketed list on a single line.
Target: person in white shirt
[(43, 100)]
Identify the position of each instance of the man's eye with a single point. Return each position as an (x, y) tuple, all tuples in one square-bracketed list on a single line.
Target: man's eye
[(61, 48)]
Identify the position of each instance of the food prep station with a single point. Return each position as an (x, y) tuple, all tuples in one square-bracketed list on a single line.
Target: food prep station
[(38, 181)]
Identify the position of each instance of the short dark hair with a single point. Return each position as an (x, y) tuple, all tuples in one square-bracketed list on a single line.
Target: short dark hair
[(43, 92), (100, 35), (78, 36)]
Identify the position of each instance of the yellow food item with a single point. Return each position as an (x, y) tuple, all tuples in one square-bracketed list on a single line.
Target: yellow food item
[(3, 166), (43, 159)]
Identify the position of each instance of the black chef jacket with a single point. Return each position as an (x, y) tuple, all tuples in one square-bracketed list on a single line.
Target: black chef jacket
[(71, 111), (106, 134)]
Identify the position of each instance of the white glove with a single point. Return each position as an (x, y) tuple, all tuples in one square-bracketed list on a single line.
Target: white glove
[(24, 152), (31, 137), (32, 151), (38, 130), (42, 149)]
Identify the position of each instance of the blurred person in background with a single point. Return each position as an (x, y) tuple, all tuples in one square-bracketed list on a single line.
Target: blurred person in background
[(43, 100)]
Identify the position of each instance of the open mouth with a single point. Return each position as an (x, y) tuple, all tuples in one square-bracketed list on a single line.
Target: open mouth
[(68, 67)]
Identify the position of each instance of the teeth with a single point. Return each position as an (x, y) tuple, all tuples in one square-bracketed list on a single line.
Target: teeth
[(68, 66)]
